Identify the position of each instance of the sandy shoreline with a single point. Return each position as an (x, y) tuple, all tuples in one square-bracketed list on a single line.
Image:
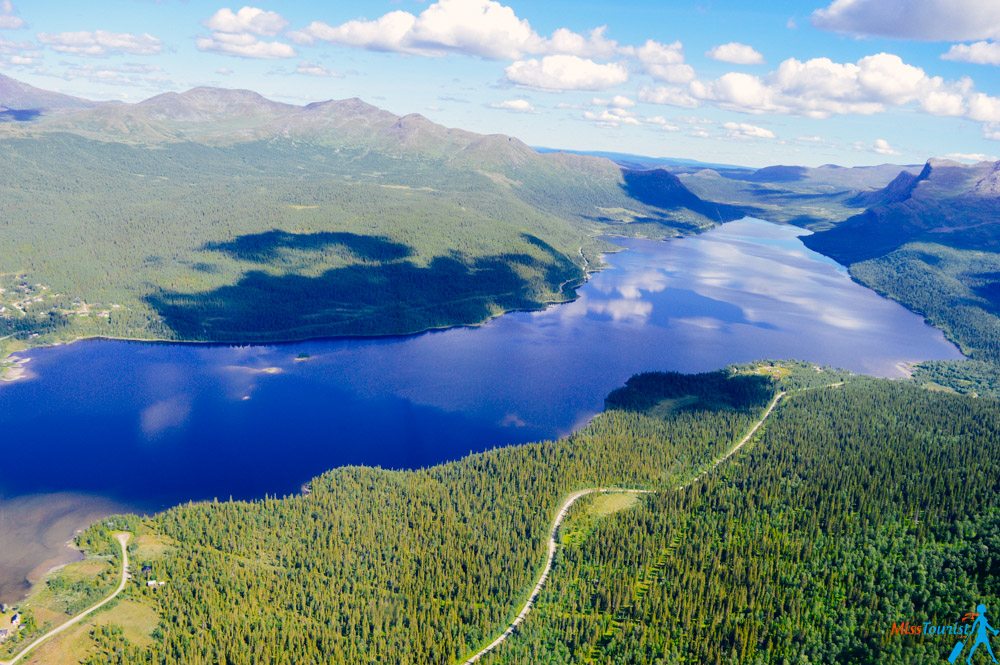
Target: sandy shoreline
[(37, 533), (14, 369)]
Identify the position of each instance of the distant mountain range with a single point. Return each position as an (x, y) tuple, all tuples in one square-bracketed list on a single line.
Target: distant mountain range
[(643, 162), (946, 203), (221, 215), (130, 204), (18, 96), (222, 117)]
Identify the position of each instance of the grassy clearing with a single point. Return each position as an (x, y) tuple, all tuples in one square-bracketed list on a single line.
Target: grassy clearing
[(582, 521), (151, 547), (63, 593), (136, 619)]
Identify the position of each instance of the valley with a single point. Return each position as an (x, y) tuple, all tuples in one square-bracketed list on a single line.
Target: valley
[(363, 388)]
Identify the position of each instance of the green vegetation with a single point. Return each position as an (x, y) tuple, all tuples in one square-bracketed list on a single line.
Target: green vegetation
[(381, 566), (218, 215), (955, 289), (814, 198), (931, 242), (858, 507), (63, 593), (208, 244), (840, 518)]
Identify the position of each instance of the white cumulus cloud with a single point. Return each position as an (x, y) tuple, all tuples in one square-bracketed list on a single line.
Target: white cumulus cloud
[(9, 20), (882, 147), (933, 20), (984, 108), (742, 130), (612, 117), (248, 19), (566, 72), (668, 95), (664, 62), (244, 45), (315, 69), (101, 43), (736, 53), (971, 157), (618, 101), (662, 123), (821, 87), (979, 53), (483, 28), (514, 105), (239, 34)]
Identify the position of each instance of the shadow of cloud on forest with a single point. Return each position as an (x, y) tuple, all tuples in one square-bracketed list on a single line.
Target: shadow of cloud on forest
[(399, 297), (269, 246), (19, 115), (660, 394)]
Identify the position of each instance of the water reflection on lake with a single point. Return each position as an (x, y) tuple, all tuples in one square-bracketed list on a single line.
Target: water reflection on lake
[(150, 425)]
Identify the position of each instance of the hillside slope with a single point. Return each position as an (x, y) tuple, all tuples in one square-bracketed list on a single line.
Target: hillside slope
[(857, 506), (220, 215), (932, 242)]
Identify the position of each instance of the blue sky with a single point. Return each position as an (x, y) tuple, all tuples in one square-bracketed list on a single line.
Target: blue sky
[(756, 83)]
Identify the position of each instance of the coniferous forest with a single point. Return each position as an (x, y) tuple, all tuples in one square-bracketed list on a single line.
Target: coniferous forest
[(858, 504)]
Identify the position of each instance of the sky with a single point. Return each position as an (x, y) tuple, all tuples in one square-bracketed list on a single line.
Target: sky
[(744, 82)]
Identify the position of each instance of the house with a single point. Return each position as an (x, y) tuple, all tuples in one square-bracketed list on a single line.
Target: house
[(15, 621), (4, 634)]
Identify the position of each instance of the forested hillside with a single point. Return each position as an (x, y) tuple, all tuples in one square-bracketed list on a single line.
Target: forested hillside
[(856, 506), (220, 215), (932, 242)]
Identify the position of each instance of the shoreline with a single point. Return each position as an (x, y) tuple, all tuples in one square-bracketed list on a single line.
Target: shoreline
[(38, 532), (12, 365), (15, 368)]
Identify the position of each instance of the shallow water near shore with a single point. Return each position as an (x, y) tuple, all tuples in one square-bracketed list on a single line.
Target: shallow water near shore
[(144, 426)]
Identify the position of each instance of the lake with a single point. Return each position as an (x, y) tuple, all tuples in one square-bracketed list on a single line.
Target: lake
[(125, 425)]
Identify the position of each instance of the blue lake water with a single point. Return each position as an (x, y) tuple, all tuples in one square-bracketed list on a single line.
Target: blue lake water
[(149, 425)]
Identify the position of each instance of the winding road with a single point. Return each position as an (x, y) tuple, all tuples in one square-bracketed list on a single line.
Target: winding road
[(572, 498), (123, 541)]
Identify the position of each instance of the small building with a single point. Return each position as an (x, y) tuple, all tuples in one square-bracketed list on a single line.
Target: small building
[(4, 634), (15, 621), (147, 569)]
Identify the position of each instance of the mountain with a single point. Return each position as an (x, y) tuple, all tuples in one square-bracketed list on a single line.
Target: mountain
[(645, 163), (25, 102), (946, 203), (989, 184), (815, 198), (665, 190), (900, 189), (221, 215), (932, 242)]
